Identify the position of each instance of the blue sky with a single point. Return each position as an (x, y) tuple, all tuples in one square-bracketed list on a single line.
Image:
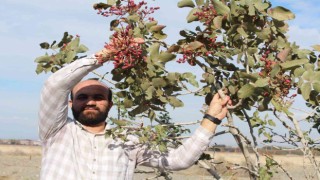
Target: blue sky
[(25, 24)]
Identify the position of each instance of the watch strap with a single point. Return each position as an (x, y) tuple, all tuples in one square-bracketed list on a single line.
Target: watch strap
[(212, 119)]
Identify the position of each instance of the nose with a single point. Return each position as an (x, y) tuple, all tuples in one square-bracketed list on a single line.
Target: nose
[(91, 102)]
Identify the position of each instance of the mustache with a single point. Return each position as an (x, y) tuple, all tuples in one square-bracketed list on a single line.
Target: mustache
[(90, 107)]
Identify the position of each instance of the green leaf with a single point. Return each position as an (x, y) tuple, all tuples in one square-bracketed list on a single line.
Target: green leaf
[(186, 3), (199, 2), (275, 70), (127, 103), (151, 115), (241, 31), (220, 7), (120, 122), (252, 11), (261, 6), (316, 86), (121, 94), (191, 78), (298, 72), (44, 45), (138, 110), (194, 45), (149, 92), (308, 75), (162, 148), (112, 2), (290, 64), (157, 28), (175, 102), (251, 61), (158, 82), (308, 66), (262, 82), (251, 77), (145, 85), (191, 17), (74, 43), (277, 105), (264, 34), (70, 56), (271, 123), (114, 24), (165, 57), (172, 77), (217, 22), (281, 13), (316, 76), (154, 50), (160, 35), (234, 8), (306, 90), (39, 69), (42, 59), (82, 49), (150, 24), (101, 6), (246, 91)]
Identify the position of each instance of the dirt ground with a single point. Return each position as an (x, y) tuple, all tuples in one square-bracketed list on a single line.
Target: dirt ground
[(19, 162)]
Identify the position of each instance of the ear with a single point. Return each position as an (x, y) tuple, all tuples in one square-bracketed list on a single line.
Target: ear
[(70, 103), (110, 105)]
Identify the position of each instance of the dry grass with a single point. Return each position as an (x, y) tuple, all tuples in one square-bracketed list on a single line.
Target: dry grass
[(20, 150), (23, 162)]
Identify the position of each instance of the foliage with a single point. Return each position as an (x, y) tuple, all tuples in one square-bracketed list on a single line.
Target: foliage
[(241, 47)]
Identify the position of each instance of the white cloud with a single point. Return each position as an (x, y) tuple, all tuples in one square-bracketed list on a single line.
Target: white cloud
[(305, 37)]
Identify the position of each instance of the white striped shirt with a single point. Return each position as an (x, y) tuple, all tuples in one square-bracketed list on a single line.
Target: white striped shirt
[(70, 152)]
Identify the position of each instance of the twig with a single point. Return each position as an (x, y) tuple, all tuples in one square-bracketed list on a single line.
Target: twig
[(238, 132), (280, 166), (102, 77), (304, 142), (182, 124), (235, 106), (245, 168), (255, 144)]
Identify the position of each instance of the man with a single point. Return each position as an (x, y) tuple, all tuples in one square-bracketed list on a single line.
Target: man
[(77, 148)]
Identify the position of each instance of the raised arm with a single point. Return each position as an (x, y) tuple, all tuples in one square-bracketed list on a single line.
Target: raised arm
[(191, 149), (53, 112)]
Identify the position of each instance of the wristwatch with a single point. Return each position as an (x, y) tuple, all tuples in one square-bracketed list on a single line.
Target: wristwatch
[(212, 119)]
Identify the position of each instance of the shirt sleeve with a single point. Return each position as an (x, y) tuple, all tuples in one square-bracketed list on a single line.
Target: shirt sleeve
[(53, 112), (182, 157)]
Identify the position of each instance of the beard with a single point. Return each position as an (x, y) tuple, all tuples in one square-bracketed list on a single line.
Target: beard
[(89, 118)]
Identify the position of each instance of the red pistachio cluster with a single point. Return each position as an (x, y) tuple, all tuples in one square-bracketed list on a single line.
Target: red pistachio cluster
[(281, 83), (210, 44), (207, 14), (189, 56), (130, 8), (123, 49)]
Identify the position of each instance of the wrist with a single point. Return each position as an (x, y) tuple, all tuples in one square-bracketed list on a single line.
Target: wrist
[(212, 119)]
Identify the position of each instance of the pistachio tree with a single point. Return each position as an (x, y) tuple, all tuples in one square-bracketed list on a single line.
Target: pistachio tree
[(242, 49)]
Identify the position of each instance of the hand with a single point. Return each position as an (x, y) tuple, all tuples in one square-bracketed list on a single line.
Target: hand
[(218, 106), (104, 55)]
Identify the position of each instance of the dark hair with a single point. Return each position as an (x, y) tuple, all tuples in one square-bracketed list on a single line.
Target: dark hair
[(96, 79)]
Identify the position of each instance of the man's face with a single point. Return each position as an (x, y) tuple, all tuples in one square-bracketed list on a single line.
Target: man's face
[(90, 105)]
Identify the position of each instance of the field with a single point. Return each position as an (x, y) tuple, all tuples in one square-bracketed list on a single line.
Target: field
[(23, 162)]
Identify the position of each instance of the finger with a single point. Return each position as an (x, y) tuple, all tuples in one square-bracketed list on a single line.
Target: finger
[(216, 98), (225, 100), (223, 113)]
